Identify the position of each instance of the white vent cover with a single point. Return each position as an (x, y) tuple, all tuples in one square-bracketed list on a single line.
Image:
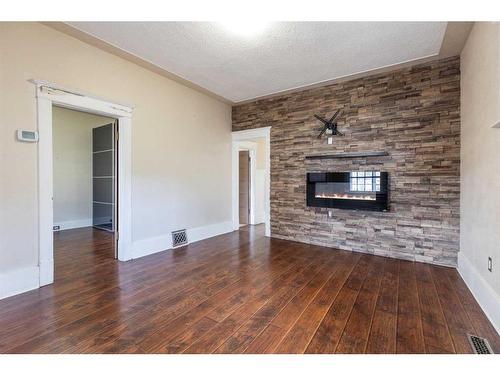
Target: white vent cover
[(179, 238), (479, 345)]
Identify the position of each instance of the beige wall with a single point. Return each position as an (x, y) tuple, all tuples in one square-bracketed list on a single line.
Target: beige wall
[(72, 165), (181, 138), (480, 152)]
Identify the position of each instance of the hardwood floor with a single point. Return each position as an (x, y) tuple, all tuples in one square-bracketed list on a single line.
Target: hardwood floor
[(240, 293)]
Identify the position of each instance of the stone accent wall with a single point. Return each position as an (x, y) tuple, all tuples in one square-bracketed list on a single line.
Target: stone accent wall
[(414, 114)]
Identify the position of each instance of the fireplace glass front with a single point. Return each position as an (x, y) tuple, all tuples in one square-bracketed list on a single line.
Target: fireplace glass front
[(357, 190)]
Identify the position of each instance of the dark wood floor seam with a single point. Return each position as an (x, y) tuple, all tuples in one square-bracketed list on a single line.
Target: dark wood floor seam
[(419, 313), (222, 291), (236, 326), (333, 301), (318, 290), (442, 312), (367, 280), (373, 315), (289, 300), (156, 329), (397, 303)]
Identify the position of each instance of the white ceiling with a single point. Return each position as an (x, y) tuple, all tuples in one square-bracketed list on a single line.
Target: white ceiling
[(284, 56)]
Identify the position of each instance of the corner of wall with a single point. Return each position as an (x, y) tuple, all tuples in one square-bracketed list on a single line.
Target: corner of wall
[(19, 281), (484, 294)]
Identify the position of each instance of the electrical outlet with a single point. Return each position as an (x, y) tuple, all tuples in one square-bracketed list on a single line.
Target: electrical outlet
[(490, 264)]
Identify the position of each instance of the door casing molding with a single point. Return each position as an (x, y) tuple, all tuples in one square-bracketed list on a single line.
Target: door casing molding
[(48, 95), (237, 138)]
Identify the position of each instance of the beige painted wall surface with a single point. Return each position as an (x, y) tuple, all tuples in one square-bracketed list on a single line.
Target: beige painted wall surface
[(181, 147), (480, 151), (72, 163)]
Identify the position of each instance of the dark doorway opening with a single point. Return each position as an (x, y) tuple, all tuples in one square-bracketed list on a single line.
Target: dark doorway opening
[(244, 187)]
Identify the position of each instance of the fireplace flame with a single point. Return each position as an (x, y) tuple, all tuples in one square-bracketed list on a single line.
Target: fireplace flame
[(346, 196)]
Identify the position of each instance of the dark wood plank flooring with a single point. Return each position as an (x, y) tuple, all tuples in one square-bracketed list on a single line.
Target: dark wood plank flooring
[(240, 293)]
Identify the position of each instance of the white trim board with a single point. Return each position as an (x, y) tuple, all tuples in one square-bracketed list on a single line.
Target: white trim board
[(484, 294), (73, 224), (237, 138), (48, 95), (157, 244), (18, 281), (260, 180)]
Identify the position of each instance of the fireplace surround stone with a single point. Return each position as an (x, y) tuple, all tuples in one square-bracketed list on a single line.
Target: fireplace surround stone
[(413, 115)]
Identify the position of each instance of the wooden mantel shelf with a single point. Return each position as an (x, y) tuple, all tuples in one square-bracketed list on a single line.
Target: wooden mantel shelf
[(363, 154)]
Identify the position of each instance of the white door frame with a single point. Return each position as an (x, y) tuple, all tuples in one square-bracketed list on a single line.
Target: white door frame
[(237, 138), (47, 95)]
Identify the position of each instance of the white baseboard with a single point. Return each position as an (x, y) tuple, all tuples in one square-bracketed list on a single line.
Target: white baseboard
[(18, 281), (46, 269), (485, 295), (153, 245), (260, 218), (207, 231), (72, 224)]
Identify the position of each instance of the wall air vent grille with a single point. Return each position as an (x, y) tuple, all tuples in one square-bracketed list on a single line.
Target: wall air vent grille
[(479, 345), (179, 238)]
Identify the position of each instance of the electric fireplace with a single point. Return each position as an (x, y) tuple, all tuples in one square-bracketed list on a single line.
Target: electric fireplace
[(367, 190)]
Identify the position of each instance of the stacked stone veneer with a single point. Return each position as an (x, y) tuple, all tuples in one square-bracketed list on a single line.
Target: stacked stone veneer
[(414, 115)]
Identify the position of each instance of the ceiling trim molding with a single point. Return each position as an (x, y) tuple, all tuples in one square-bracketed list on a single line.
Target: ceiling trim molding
[(114, 50)]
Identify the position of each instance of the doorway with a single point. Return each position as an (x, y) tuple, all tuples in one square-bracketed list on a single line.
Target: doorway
[(84, 186), (244, 187), (47, 96), (251, 178)]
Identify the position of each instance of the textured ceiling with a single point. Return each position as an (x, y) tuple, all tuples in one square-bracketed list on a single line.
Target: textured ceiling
[(283, 56)]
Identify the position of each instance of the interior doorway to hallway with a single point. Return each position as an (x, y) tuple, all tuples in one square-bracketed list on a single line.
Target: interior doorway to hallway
[(244, 187), (251, 202), (85, 185)]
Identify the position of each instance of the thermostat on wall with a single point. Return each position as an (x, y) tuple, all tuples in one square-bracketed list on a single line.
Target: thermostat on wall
[(27, 136)]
